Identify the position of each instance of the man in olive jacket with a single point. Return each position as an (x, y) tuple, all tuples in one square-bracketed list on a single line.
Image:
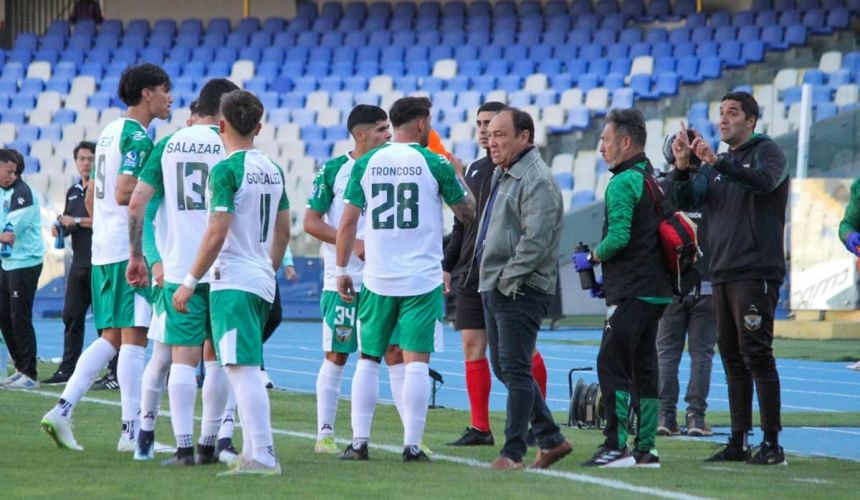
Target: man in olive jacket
[(517, 246), (746, 191)]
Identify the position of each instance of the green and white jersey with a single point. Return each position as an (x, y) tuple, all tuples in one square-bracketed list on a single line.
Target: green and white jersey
[(122, 149), (178, 170), (250, 186), (402, 187), (327, 198)]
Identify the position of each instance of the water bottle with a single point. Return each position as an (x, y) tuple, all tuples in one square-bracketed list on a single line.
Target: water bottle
[(6, 248), (60, 239), (586, 278)]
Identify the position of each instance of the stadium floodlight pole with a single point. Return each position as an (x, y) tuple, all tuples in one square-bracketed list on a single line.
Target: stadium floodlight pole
[(803, 130)]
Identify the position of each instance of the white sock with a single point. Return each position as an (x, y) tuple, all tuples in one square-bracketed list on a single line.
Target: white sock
[(129, 374), (228, 421), (154, 380), (182, 389), (416, 392), (93, 360), (214, 398), (365, 393), (328, 391), (253, 402), (395, 379)]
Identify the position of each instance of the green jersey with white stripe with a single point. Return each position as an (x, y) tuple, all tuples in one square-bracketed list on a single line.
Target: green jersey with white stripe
[(250, 186)]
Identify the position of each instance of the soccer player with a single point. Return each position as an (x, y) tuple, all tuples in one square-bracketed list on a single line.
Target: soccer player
[(121, 312), (247, 234), (369, 127), (176, 174), (401, 185)]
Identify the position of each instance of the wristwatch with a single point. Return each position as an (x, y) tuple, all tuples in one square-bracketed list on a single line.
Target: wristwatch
[(78, 221)]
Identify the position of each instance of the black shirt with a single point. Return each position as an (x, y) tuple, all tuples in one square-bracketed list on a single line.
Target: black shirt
[(82, 237)]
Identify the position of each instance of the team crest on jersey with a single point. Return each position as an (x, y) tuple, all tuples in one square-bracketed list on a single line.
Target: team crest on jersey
[(138, 136), (130, 159), (343, 333)]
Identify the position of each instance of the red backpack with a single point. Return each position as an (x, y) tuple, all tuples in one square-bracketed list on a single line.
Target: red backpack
[(677, 234)]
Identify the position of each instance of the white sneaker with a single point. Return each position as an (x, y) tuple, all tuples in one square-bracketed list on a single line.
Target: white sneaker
[(267, 381), (163, 448), (60, 430), (127, 442), (22, 383), (15, 376), (228, 457), (252, 467), (855, 366)]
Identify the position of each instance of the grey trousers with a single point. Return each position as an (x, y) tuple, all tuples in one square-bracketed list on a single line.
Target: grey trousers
[(692, 320)]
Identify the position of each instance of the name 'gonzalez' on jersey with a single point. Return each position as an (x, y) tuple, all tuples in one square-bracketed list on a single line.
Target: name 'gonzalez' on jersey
[(401, 187)]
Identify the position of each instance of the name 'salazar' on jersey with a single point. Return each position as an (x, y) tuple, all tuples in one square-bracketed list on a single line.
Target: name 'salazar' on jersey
[(192, 147), (396, 171)]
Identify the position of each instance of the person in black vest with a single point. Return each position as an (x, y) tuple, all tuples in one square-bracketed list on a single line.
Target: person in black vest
[(77, 223), (688, 318), (637, 289), (746, 190)]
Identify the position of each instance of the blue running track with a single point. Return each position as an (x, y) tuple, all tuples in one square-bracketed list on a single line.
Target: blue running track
[(293, 356)]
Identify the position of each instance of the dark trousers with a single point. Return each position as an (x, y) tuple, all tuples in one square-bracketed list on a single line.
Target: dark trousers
[(275, 315), (512, 328), (627, 363), (17, 291), (687, 319), (77, 300), (744, 313)]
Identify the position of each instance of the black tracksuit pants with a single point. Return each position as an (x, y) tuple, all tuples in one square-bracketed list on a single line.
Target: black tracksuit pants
[(77, 300), (17, 292), (744, 313)]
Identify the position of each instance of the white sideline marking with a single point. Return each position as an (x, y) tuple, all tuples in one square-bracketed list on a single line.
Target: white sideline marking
[(811, 480), (570, 476)]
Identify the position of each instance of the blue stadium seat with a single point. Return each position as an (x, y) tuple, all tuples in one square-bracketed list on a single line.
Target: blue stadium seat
[(720, 18), (600, 67), (549, 67), (795, 35), (789, 17), (710, 67), (706, 49), (641, 85), (331, 84), (270, 100), (27, 40), (260, 40), (248, 25), (22, 147), (355, 84), (666, 84), (752, 52), (269, 70), (688, 69), (367, 69), (292, 100), (581, 198), (278, 116), (773, 37), (99, 101), (58, 84), (791, 95), (618, 50), (31, 165), (256, 85), (679, 35), (743, 18), (622, 98), (484, 83), (459, 83), (838, 18), (406, 84), (825, 110), (312, 133), (27, 133), (591, 51), (72, 55), (614, 81), (588, 81), (432, 85), (821, 94), (31, 87), (620, 65), (282, 86), (662, 49), (839, 77), (304, 84)]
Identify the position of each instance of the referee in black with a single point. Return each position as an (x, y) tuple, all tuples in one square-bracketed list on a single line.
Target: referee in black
[(78, 224)]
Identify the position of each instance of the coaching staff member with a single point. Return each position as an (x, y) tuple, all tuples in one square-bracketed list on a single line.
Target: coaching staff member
[(746, 190), (77, 223), (517, 246)]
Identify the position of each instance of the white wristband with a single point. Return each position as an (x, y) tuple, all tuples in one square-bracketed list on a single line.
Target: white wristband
[(190, 282), (340, 271)]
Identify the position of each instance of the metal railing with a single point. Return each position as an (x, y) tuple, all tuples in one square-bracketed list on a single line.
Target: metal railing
[(31, 15)]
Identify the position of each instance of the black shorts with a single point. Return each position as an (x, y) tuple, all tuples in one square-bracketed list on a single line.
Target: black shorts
[(469, 313)]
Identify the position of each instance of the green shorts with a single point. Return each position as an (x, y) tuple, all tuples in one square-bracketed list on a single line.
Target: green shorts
[(159, 317), (237, 326), (191, 328), (338, 328), (418, 319), (116, 304)]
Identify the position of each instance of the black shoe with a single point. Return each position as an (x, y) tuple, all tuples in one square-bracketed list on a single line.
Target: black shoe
[(646, 459), (184, 457), (351, 453), (768, 454), (225, 444), (144, 447), (531, 439), (206, 455), (414, 454), (733, 452), (474, 437), (607, 457), (108, 382), (57, 378)]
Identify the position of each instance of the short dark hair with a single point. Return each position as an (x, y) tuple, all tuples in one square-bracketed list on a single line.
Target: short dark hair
[(242, 110), (91, 146), (365, 114), (8, 154), (192, 107), (492, 107), (406, 109), (748, 104), (209, 100), (629, 122), (136, 78), (522, 121)]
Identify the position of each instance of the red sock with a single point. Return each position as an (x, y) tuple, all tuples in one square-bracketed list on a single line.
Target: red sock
[(478, 386), (539, 372)]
